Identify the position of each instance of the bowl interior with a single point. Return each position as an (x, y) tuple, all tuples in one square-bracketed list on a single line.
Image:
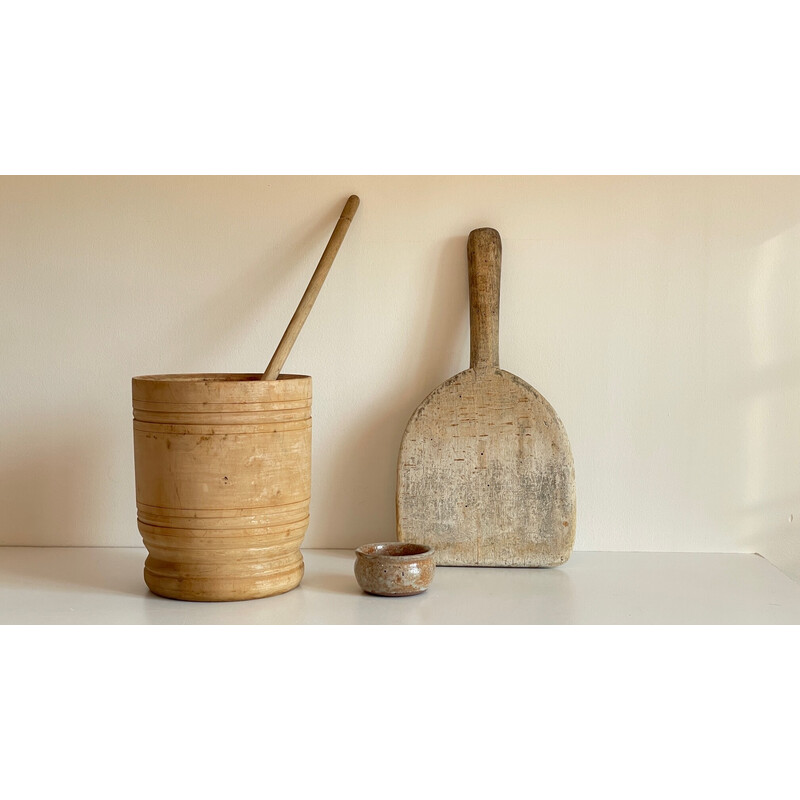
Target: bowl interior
[(394, 550)]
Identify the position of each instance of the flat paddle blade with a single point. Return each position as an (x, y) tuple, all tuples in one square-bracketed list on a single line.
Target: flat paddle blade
[(485, 473)]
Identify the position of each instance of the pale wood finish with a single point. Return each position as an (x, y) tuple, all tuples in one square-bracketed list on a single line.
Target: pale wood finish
[(315, 284), (485, 472), (223, 483)]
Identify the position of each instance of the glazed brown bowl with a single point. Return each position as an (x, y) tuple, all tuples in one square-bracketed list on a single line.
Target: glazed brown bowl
[(394, 569)]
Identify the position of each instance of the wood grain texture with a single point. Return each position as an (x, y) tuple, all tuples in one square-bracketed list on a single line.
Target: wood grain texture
[(223, 483), (485, 472)]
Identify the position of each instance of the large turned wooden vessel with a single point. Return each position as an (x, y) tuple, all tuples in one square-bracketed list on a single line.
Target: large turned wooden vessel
[(223, 483)]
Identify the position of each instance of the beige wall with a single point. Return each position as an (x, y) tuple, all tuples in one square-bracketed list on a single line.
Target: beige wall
[(658, 315)]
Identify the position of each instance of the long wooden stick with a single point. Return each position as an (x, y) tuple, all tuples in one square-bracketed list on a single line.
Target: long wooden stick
[(320, 273)]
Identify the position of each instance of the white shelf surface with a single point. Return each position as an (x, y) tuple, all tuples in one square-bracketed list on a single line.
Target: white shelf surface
[(91, 586)]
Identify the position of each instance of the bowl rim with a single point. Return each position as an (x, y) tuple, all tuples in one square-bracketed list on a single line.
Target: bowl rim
[(426, 553)]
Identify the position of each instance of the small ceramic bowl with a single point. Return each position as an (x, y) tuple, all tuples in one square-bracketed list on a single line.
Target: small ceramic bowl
[(394, 569)]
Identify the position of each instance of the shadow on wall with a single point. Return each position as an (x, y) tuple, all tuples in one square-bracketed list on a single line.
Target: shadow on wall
[(365, 462), (51, 482), (770, 400), (218, 323)]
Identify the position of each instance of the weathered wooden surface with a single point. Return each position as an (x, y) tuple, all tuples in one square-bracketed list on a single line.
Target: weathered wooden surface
[(485, 473), (310, 295), (223, 483)]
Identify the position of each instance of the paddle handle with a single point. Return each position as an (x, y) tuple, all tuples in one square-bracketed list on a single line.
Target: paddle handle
[(484, 253), (315, 284)]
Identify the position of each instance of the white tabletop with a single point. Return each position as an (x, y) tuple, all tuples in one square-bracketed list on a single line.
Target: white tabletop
[(86, 585)]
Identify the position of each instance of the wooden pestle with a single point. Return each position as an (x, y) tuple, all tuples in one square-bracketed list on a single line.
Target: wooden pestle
[(315, 284)]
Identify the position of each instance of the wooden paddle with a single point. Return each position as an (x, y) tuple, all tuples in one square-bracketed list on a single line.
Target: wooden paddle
[(485, 474), (315, 284)]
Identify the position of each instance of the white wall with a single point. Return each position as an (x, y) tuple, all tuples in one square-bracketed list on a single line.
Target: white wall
[(658, 315)]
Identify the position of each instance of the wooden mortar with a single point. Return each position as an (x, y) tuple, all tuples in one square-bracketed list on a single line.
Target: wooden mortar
[(223, 483), (223, 470)]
